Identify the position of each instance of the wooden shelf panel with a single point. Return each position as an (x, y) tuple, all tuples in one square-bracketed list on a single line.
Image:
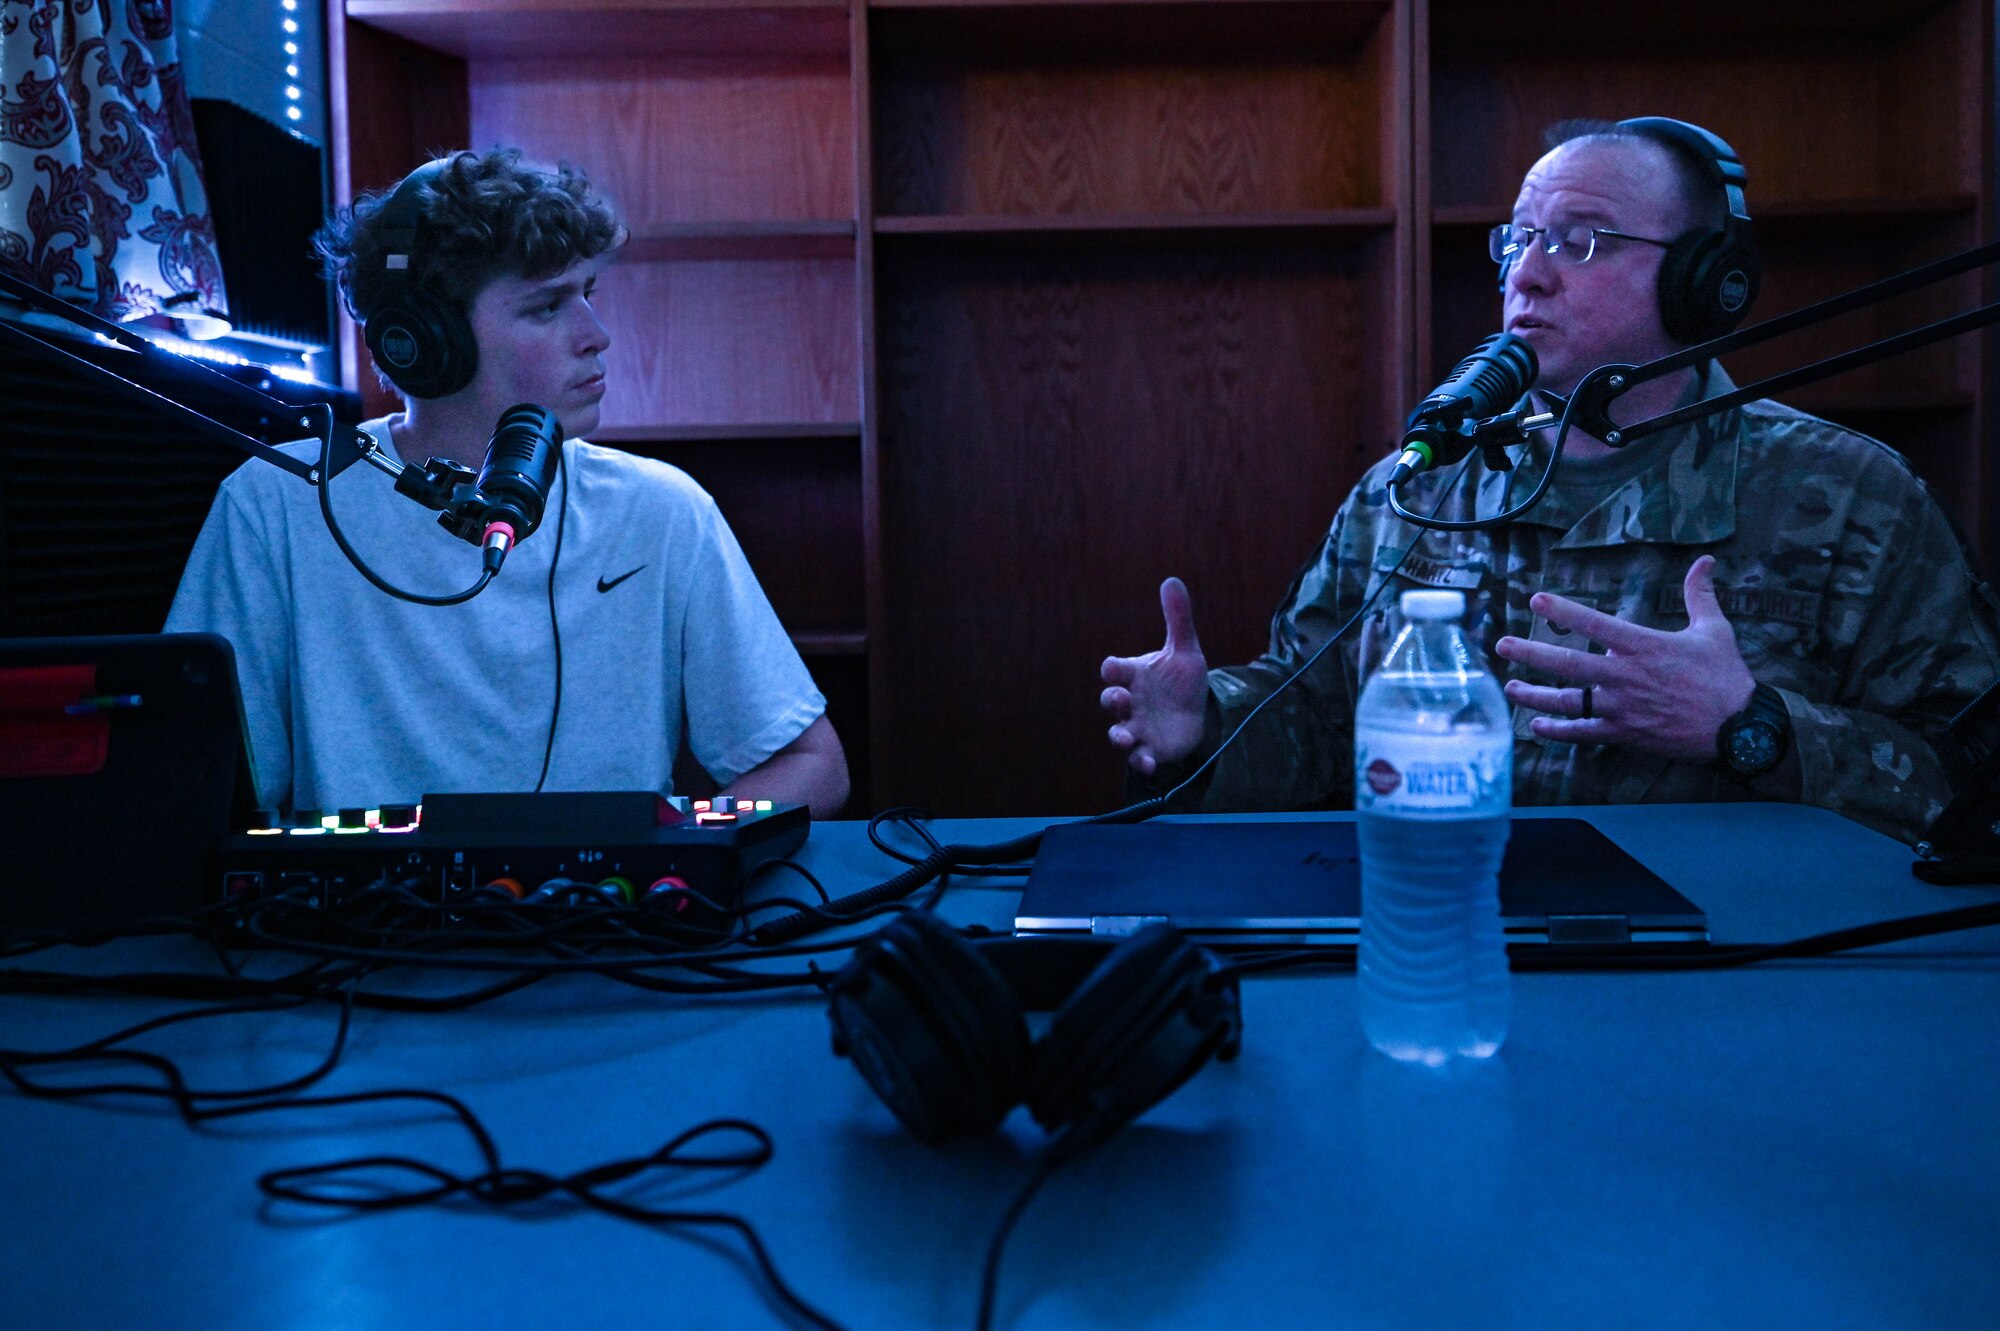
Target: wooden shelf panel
[(1351, 223), (688, 152), (795, 507), (748, 432), (383, 12), (1471, 215), (726, 241), (543, 29), (1550, 26), (1824, 103), (973, 116), (1062, 432), (1786, 216), (1141, 11), (1059, 29), (761, 340), (830, 643)]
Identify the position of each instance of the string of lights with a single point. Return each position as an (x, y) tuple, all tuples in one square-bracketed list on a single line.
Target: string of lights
[(291, 48)]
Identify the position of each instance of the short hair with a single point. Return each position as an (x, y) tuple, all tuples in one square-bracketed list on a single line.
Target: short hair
[(1701, 199), (485, 215)]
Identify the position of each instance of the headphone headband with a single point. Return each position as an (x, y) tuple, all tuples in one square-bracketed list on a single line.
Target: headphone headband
[(1717, 160), (1709, 275), (420, 338), (401, 219)]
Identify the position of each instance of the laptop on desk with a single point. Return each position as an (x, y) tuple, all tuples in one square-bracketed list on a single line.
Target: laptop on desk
[(1299, 882), (122, 763)]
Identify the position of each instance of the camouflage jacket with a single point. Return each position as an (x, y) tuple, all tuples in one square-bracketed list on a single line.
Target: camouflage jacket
[(1848, 589)]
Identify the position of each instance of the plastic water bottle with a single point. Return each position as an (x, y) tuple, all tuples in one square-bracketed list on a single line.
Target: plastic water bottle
[(1433, 791)]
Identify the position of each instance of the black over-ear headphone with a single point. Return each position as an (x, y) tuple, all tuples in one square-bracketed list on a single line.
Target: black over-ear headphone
[(1709, 275), (419, 338), (939, 1033)]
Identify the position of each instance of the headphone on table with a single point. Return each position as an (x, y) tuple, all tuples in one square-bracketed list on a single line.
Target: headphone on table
[(1709, 275), (420, 338), (940, 1035)]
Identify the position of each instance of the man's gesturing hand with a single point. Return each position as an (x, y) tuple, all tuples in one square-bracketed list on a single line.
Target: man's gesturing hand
[(1159, 700), (1665, 693)]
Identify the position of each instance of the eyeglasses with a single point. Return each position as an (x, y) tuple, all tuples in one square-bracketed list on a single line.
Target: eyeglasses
[(1568, 243)]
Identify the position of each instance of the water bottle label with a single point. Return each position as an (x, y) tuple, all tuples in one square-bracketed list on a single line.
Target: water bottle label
[(1432, 774)]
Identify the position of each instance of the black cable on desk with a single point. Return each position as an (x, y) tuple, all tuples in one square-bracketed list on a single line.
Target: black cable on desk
[(1544, 957), (1721, 956), (1055, 1157), (914, 818), (172, 1086), (355, 1184)]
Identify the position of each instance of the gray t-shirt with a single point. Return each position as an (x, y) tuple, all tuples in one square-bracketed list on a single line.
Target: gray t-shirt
[(355, 698)]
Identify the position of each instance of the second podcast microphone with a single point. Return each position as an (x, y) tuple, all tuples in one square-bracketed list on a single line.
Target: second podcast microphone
[(514, 484), (1486, 383)]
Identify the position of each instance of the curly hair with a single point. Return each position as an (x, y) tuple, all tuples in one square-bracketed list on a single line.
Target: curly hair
[(485, 215)]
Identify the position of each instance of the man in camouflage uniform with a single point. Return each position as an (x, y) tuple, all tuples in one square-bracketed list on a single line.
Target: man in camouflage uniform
[(1653, 593)]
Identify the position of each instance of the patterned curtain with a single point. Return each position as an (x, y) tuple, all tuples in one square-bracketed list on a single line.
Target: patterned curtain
[(101, 200)]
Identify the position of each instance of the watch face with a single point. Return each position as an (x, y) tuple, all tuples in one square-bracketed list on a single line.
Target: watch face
[(1754, 746)]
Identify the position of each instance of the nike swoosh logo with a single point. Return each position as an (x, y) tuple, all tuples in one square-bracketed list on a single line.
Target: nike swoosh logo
[(606, 584)]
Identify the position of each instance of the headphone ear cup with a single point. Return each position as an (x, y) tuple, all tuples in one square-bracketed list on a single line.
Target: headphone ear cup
[(932, 1027), (424, 344), (1708, 280), (1148, 1018)]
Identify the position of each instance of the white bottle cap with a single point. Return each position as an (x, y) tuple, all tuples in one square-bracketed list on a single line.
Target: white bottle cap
[(1433, 605)]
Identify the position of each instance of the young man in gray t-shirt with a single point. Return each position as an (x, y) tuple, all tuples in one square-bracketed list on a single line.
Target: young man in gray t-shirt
[(474, 281)]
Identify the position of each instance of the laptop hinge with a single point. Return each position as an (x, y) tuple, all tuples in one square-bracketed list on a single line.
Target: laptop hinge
[(1590, 929), (1121, 926)]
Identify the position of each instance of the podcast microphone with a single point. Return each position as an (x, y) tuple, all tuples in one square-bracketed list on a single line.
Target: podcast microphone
[(1486, 383), (513, 486)]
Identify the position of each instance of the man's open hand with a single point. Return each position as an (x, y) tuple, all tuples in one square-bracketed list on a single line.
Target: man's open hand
[(1158, 701), (1665, 693)]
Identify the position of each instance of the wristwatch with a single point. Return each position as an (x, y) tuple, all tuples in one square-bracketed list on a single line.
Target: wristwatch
[(1754, 741)]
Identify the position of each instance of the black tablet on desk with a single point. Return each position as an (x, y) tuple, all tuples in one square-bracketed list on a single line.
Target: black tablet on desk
[(1563, 881), (122, 760)]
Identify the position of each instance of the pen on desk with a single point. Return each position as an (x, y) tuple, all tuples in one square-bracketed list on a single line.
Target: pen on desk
[(109, 702)]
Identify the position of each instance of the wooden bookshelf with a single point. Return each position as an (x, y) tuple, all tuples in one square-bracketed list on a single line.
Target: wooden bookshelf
[(1133, 264), (980, 318)]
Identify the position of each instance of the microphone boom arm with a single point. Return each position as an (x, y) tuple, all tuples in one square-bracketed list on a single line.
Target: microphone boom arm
[(340, 446), (441, 485), (1605, 384)]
